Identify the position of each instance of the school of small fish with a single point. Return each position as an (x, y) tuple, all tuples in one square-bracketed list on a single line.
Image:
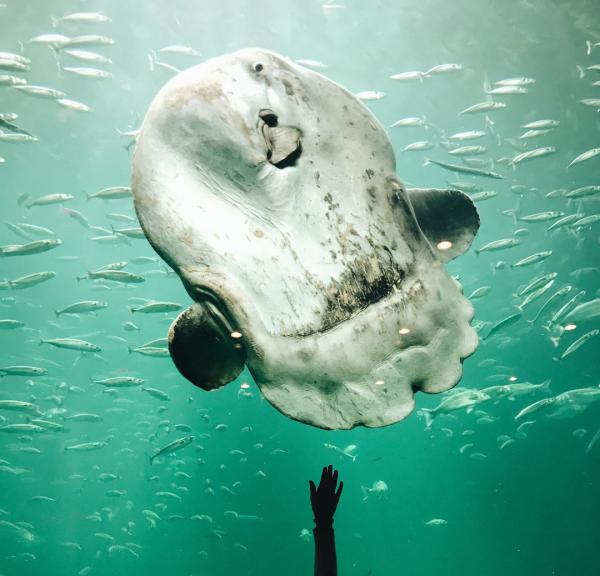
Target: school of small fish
[(37, 416)]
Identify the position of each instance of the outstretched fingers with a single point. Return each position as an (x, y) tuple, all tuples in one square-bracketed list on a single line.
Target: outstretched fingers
[(323, 476), (339, 491)]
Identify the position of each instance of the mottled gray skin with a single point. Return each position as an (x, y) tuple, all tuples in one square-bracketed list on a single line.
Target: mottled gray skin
[(319, 264)]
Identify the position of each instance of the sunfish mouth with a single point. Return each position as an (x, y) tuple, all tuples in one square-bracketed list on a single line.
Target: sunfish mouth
[(283, 143)]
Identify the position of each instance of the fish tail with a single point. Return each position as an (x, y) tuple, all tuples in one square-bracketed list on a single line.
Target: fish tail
[(56, 312), (131, 309), (427, 162), (486, 83), (130, 350), (54, 21), (546, 386), (428, 417), (365, 492), (581, 71)]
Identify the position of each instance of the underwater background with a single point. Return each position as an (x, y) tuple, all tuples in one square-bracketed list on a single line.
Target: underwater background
[(508, 497)]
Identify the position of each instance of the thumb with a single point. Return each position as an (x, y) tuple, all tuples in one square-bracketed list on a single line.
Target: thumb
[(313, 489)]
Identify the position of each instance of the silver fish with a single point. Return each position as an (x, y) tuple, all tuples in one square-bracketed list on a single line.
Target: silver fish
[(501, 244), (120, 381), (565, 221), (10, 80), (112, 193), (157, 393), (82, 307), (72, 344), (10, 324), (17, 405), (462, 169), (483, 195), (518, 81), (156, 307), (17, 138), (584, 312), (19, 428), (50, 199), (541, 216), (22, 371), (469, 135), (591, 102), (189, 51), (36, 247), (444, 69), (587, 155), (586, 221), (172, 447), (370, 95), (156, 352), (508, 321), (481, 107), (531, 154), (463, 399), (541, 124), (93, 17), (90, 40), (536, 406), (507, 90), (116, 276), (86, 56), (85, 447), (31, 280), (55, 41), (579, 343), (556, 296), (85, 72), (582, 192), (409, 76), (73, 105), (418, 146), (533, 259), (40, 91), (535, 294), (410, 122)]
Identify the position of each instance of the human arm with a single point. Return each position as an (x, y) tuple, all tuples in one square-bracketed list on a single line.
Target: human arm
[(324, 501)]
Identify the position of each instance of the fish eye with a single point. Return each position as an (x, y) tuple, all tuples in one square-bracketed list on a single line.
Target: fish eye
[(257, 67)]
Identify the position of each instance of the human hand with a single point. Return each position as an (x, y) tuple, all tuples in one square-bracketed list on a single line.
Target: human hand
[(325, 498)]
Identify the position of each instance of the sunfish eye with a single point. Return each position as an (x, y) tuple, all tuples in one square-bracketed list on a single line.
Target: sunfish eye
[(258, 67)]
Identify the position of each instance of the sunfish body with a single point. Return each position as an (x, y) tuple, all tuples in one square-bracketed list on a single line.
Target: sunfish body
[(272, 192)]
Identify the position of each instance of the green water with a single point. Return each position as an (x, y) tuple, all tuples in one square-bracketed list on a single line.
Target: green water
[(530, 508)]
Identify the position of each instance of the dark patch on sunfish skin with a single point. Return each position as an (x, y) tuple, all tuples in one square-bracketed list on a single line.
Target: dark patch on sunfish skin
[(366, 281)]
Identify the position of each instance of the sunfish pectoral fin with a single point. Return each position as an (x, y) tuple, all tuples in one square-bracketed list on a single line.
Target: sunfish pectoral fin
[(448, 218), (203, 349)]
